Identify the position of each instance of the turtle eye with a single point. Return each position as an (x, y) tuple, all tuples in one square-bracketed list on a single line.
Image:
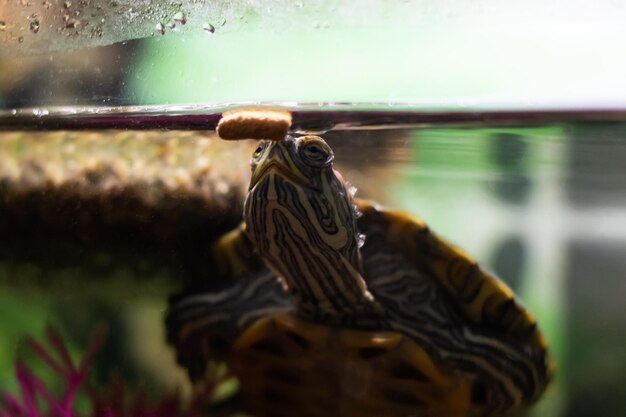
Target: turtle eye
[(316, 153), (259, 150)]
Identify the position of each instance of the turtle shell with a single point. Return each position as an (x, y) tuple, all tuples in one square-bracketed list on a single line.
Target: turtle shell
[(454, 341)]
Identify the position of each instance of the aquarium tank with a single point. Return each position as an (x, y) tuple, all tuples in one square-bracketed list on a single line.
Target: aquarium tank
[(501, 125)]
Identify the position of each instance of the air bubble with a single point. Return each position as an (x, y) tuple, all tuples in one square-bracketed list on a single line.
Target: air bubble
[(67, 4), (3, 25), (360, 240), (357, 212), (40, 112), (34, 25)]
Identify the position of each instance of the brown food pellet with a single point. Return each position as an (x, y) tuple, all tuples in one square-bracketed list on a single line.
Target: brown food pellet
[(254, 124)]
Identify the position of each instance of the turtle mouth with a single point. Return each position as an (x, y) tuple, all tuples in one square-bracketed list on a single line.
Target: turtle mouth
[(280, 170)]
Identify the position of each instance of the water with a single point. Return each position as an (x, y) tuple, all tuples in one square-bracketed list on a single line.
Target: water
[(101, 225)]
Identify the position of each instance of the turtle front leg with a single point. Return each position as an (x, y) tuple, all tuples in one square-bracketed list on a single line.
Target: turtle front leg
[(203, 326)]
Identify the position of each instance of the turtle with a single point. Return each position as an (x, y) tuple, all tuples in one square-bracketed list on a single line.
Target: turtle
[(326, 304)]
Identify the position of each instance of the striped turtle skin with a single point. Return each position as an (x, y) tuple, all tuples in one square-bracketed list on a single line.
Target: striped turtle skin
[(324, 304)]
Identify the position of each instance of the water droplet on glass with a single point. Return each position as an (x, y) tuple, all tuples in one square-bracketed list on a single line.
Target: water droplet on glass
[(160, 28), (13, 112), (34, 25), (209, 28), (180, 18), (3, 25)]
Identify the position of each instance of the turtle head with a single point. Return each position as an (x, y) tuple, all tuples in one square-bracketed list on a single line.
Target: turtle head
[(300, 215)]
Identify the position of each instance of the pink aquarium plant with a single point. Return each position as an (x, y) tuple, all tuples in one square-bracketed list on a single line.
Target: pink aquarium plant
[(36, 399)]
